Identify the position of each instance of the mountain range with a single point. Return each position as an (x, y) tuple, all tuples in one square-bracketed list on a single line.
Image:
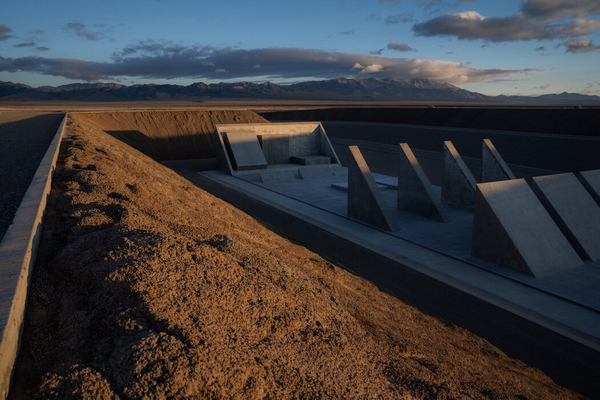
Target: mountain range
[(340, 89)]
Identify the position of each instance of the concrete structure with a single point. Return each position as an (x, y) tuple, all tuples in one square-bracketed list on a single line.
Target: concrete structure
[(415, 193), (512, 228), (493, 167), (17, 257), (244, 150), (591, 181), (276, 148), (365, 202), (277, 176), (307, 144), (314, 172), (574, 211), (458, 183)]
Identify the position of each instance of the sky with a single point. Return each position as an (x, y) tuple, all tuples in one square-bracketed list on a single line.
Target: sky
[(494, 47)]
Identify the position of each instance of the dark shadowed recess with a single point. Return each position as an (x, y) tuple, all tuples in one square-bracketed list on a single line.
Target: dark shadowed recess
[(23, 144)]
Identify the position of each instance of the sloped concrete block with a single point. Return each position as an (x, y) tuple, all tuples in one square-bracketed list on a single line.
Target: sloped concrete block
[(512, 228), (276, 148), (415, 193), (591, 181), (244, 151), (365, 201), (493, 167), (574, 211), (314, 172), (458, 184)]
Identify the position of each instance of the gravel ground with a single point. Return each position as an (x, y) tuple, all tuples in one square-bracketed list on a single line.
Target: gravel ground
[(24, 138)]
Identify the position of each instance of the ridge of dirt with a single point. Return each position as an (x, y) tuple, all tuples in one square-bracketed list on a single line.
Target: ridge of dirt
[(169, 135), (148, 287)]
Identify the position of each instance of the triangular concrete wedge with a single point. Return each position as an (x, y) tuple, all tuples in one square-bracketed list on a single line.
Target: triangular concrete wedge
[(458, 183), (512, 228), (415, 193), (591, 181), (574, 211), (365, 201), (493, 167)]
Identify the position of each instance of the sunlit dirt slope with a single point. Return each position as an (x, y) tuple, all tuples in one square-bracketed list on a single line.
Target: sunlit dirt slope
[(149, 287)]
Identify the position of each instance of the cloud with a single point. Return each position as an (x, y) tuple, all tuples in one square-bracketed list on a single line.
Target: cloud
[(25, 44), (584, 45), (552, 10), (393, 45), (349, 32), (37, 35), (435, 5), (164, 60), (544, 87), (5, 33), (42, 48), (79, 29), (377, 52), (541, 48), (471, 25), (398, 18)]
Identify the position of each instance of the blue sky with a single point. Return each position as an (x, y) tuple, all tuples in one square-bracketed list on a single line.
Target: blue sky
[(510, 47)]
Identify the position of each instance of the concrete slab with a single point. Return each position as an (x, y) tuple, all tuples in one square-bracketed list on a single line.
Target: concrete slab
[(277, 176), (415, 193), (493, 167), (512, 228), (591, 181), (276, 148), (244, 150), (365, 202), (458, 184), (574, 211), (314, 172), (311, 160)]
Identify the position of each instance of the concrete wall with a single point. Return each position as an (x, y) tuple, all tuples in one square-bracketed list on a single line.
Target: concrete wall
[(17, 258), (305, 138)]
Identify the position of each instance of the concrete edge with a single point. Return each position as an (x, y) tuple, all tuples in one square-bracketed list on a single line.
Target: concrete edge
[(568, 356), (18, 251)]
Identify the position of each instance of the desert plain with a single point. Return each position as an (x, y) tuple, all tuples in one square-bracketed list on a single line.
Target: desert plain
[(147, 286)]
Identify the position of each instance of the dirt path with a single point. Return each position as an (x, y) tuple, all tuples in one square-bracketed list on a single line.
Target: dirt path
[(148, 287), (24, 138)]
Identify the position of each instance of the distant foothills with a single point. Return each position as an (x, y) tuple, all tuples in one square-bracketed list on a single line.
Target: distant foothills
[(341, 89)]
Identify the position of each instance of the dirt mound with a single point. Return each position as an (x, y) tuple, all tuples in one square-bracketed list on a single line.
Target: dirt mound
[(559, 121), (148, 287), (169, 135)]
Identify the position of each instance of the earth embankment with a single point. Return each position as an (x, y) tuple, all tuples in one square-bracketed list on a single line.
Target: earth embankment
[(168, 135), (551, 120), (146, 286)]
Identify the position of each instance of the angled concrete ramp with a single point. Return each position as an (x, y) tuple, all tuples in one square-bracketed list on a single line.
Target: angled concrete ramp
[(244, 150), (574, 211), (415, 193), (493, 167), (591, 181), (365, 201), (512, 228), (458, 184)]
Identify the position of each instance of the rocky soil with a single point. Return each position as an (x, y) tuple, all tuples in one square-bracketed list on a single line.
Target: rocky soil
[(148, 287)]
